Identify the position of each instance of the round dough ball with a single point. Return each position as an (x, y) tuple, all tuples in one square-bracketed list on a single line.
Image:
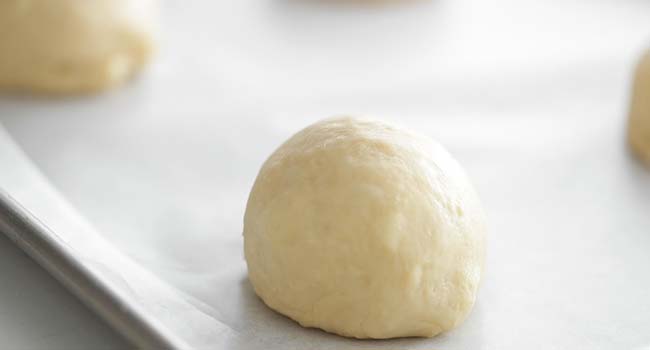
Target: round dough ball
[(73, 46), (365, 230), (639, 125)]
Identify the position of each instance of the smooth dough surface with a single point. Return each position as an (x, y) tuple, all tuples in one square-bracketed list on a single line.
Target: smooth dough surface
[(365, 230), (73, 46), (639, 125)]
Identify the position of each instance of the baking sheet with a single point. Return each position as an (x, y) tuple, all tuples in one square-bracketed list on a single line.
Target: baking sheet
[(531, 98)]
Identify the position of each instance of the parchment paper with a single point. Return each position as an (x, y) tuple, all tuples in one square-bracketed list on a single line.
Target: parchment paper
[(531, 97)]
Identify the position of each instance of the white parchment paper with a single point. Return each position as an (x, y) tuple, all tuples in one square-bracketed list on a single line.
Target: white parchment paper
[(530, 96)]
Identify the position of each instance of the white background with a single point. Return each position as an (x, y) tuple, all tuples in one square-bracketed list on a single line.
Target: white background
[(530, 96)]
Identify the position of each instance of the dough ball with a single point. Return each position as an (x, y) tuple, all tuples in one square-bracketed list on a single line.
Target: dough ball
[(639, 126), (365, 230), (73, 46)]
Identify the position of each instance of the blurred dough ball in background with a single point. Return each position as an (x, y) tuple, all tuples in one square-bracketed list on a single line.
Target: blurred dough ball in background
[(365, 230), (639, 125), (73, 46)]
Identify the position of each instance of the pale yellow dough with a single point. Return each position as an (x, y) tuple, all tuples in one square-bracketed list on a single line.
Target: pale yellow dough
[(365, 230), (639, 126), (73, 46)]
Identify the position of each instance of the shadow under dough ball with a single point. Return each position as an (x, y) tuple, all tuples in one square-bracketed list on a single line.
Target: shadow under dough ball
[(365, 230), (73, 46), (639, 125)]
